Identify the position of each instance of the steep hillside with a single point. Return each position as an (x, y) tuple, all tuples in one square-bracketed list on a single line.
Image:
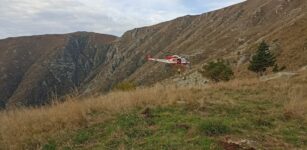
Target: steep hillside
[(34, 69), (230, 33)]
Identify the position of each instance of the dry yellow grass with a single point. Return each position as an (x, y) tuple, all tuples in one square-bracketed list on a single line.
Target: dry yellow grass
[(297, 94), (29, 128), (297, 105)]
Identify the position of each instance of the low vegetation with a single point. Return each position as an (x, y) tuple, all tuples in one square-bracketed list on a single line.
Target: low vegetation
[(271, 114), (297, 105), (214, 127), (217, 71)]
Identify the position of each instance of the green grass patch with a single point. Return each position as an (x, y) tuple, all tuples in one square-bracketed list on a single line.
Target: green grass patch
[(51, 145), (186, 127), (214, 127), (294, 136), (291, 136), (81, 137), (166, 128)]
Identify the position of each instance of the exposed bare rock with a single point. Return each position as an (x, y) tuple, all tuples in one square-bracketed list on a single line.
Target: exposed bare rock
[(190, 79), (239, 144), (278, 75)]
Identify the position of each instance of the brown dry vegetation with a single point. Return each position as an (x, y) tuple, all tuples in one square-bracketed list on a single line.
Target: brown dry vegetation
[(30, 128), (297, 104)]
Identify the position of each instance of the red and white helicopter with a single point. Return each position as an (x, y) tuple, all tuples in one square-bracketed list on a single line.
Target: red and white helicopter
[(174, 59)]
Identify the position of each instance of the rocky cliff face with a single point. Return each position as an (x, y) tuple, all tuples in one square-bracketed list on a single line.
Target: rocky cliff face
[(33, 69)]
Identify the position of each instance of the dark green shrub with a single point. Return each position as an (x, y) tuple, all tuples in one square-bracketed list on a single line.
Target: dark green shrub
[(262, 59), (217, 71)]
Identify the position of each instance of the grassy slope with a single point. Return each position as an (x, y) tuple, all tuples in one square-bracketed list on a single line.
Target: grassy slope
[(271, 114)]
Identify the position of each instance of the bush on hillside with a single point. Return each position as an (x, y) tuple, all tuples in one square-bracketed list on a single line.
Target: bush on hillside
[(217, 71)]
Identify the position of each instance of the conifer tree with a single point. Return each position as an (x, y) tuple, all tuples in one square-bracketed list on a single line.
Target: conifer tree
[(262, 59)]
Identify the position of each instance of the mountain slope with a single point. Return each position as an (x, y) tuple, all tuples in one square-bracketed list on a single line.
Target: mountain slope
[(230, 33), (34, 69)]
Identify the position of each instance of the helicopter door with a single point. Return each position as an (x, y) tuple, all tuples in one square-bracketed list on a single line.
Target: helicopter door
[(179, 61)]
